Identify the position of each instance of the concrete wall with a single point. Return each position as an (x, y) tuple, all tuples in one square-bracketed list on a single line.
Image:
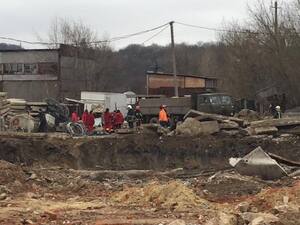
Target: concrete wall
[(28, 56), (76, 75), (75, 72), (31, 90)]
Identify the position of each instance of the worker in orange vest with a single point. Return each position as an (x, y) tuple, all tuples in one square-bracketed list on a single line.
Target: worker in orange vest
[(163, 116)]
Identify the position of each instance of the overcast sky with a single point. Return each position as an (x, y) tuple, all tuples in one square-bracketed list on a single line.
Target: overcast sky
[(23, 19)]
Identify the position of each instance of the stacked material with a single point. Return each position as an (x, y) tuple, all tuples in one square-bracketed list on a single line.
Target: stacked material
[(4, 104), (35, 107), (17, 106)]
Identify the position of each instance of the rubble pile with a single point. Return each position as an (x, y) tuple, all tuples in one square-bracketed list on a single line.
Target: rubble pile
[(4, 104), (173, 195), (35, 107), (4, 109), (247, 122)]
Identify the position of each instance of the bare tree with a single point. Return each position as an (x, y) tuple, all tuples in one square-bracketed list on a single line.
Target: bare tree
[(262, 53), (71, 32)]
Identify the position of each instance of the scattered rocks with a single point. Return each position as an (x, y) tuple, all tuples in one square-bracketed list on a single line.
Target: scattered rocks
[(177, 222), (3, 196), (258, 218), (224, 219), (243, 207)]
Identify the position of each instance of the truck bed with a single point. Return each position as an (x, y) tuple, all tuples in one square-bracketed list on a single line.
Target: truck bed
[(175, 106)]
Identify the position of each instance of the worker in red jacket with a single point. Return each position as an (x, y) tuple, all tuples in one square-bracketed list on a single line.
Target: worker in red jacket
[(91, 121), (119, 119), (84, 118), (107, 121), (74, 117)]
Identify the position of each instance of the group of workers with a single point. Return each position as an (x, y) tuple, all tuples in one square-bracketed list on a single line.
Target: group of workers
[(88, 119), (114, 120)]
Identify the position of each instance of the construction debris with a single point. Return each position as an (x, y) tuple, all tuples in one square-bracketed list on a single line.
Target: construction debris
[(192, 127), (249, 115), (283, 122), (258, 163), (201, 116), (4, 104)]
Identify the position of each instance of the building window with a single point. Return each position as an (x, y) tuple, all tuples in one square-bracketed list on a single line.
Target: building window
[(48, 68), (1, 68), (13, 68), (30, 68)]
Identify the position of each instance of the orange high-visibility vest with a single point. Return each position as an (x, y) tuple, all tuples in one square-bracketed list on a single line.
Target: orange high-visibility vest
[(163, 116)]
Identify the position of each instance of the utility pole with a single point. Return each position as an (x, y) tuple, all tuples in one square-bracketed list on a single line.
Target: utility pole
[(174, 60), (276, 20)]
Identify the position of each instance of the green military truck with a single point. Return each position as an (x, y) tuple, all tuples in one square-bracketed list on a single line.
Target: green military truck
[(177, 107)]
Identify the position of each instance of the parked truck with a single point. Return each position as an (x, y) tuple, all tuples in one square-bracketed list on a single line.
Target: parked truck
[(177, 107)]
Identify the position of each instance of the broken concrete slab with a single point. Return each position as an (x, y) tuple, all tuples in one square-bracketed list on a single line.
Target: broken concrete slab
[(265, 130), (202, 116), (283, 122), (192, 127), (258, 163), (228, 125)]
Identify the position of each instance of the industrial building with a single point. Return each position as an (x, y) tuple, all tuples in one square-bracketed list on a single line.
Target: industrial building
[(36, 74), (159, 83)]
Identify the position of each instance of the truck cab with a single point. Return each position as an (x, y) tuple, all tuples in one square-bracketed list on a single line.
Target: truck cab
[(218, 103)]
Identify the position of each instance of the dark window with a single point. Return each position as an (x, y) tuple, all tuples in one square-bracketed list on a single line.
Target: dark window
[(13, 68), (48, 68), (1, 68), (30, 68)]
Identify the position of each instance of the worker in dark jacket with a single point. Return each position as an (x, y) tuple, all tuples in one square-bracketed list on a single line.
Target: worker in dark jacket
[(138, 116), (43, 122), (130, 118)]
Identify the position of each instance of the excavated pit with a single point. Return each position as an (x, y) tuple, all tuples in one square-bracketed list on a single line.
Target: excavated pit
[(140, 151)]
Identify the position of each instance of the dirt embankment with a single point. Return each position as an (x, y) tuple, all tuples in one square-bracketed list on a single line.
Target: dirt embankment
[(142, 151)]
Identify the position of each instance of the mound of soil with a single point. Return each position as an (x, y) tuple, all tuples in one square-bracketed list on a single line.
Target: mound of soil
[(173, 195)]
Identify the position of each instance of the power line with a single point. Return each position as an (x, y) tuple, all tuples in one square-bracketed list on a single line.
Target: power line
[(27, 42), (156, 34), (93, 42), (138, 33), (216, 29)]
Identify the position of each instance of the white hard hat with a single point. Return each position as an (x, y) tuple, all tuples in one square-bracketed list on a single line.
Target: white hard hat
[(129, 107), (277, 107)]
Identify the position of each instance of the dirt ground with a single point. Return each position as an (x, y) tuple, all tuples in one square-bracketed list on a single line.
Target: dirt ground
[(55, 179)]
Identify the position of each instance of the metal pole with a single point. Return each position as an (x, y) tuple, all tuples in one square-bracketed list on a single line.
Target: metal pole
[(174, 60), (276, 20)]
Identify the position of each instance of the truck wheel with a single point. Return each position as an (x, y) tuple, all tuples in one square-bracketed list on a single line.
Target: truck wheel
[(153, 120)]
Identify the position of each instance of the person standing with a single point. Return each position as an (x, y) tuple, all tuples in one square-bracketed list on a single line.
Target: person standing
[(163, 116), (119, 119), (130, 118), (138, 116), (107, 119), (91, 121), (74, 117), (84, 118), (43, 122)]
